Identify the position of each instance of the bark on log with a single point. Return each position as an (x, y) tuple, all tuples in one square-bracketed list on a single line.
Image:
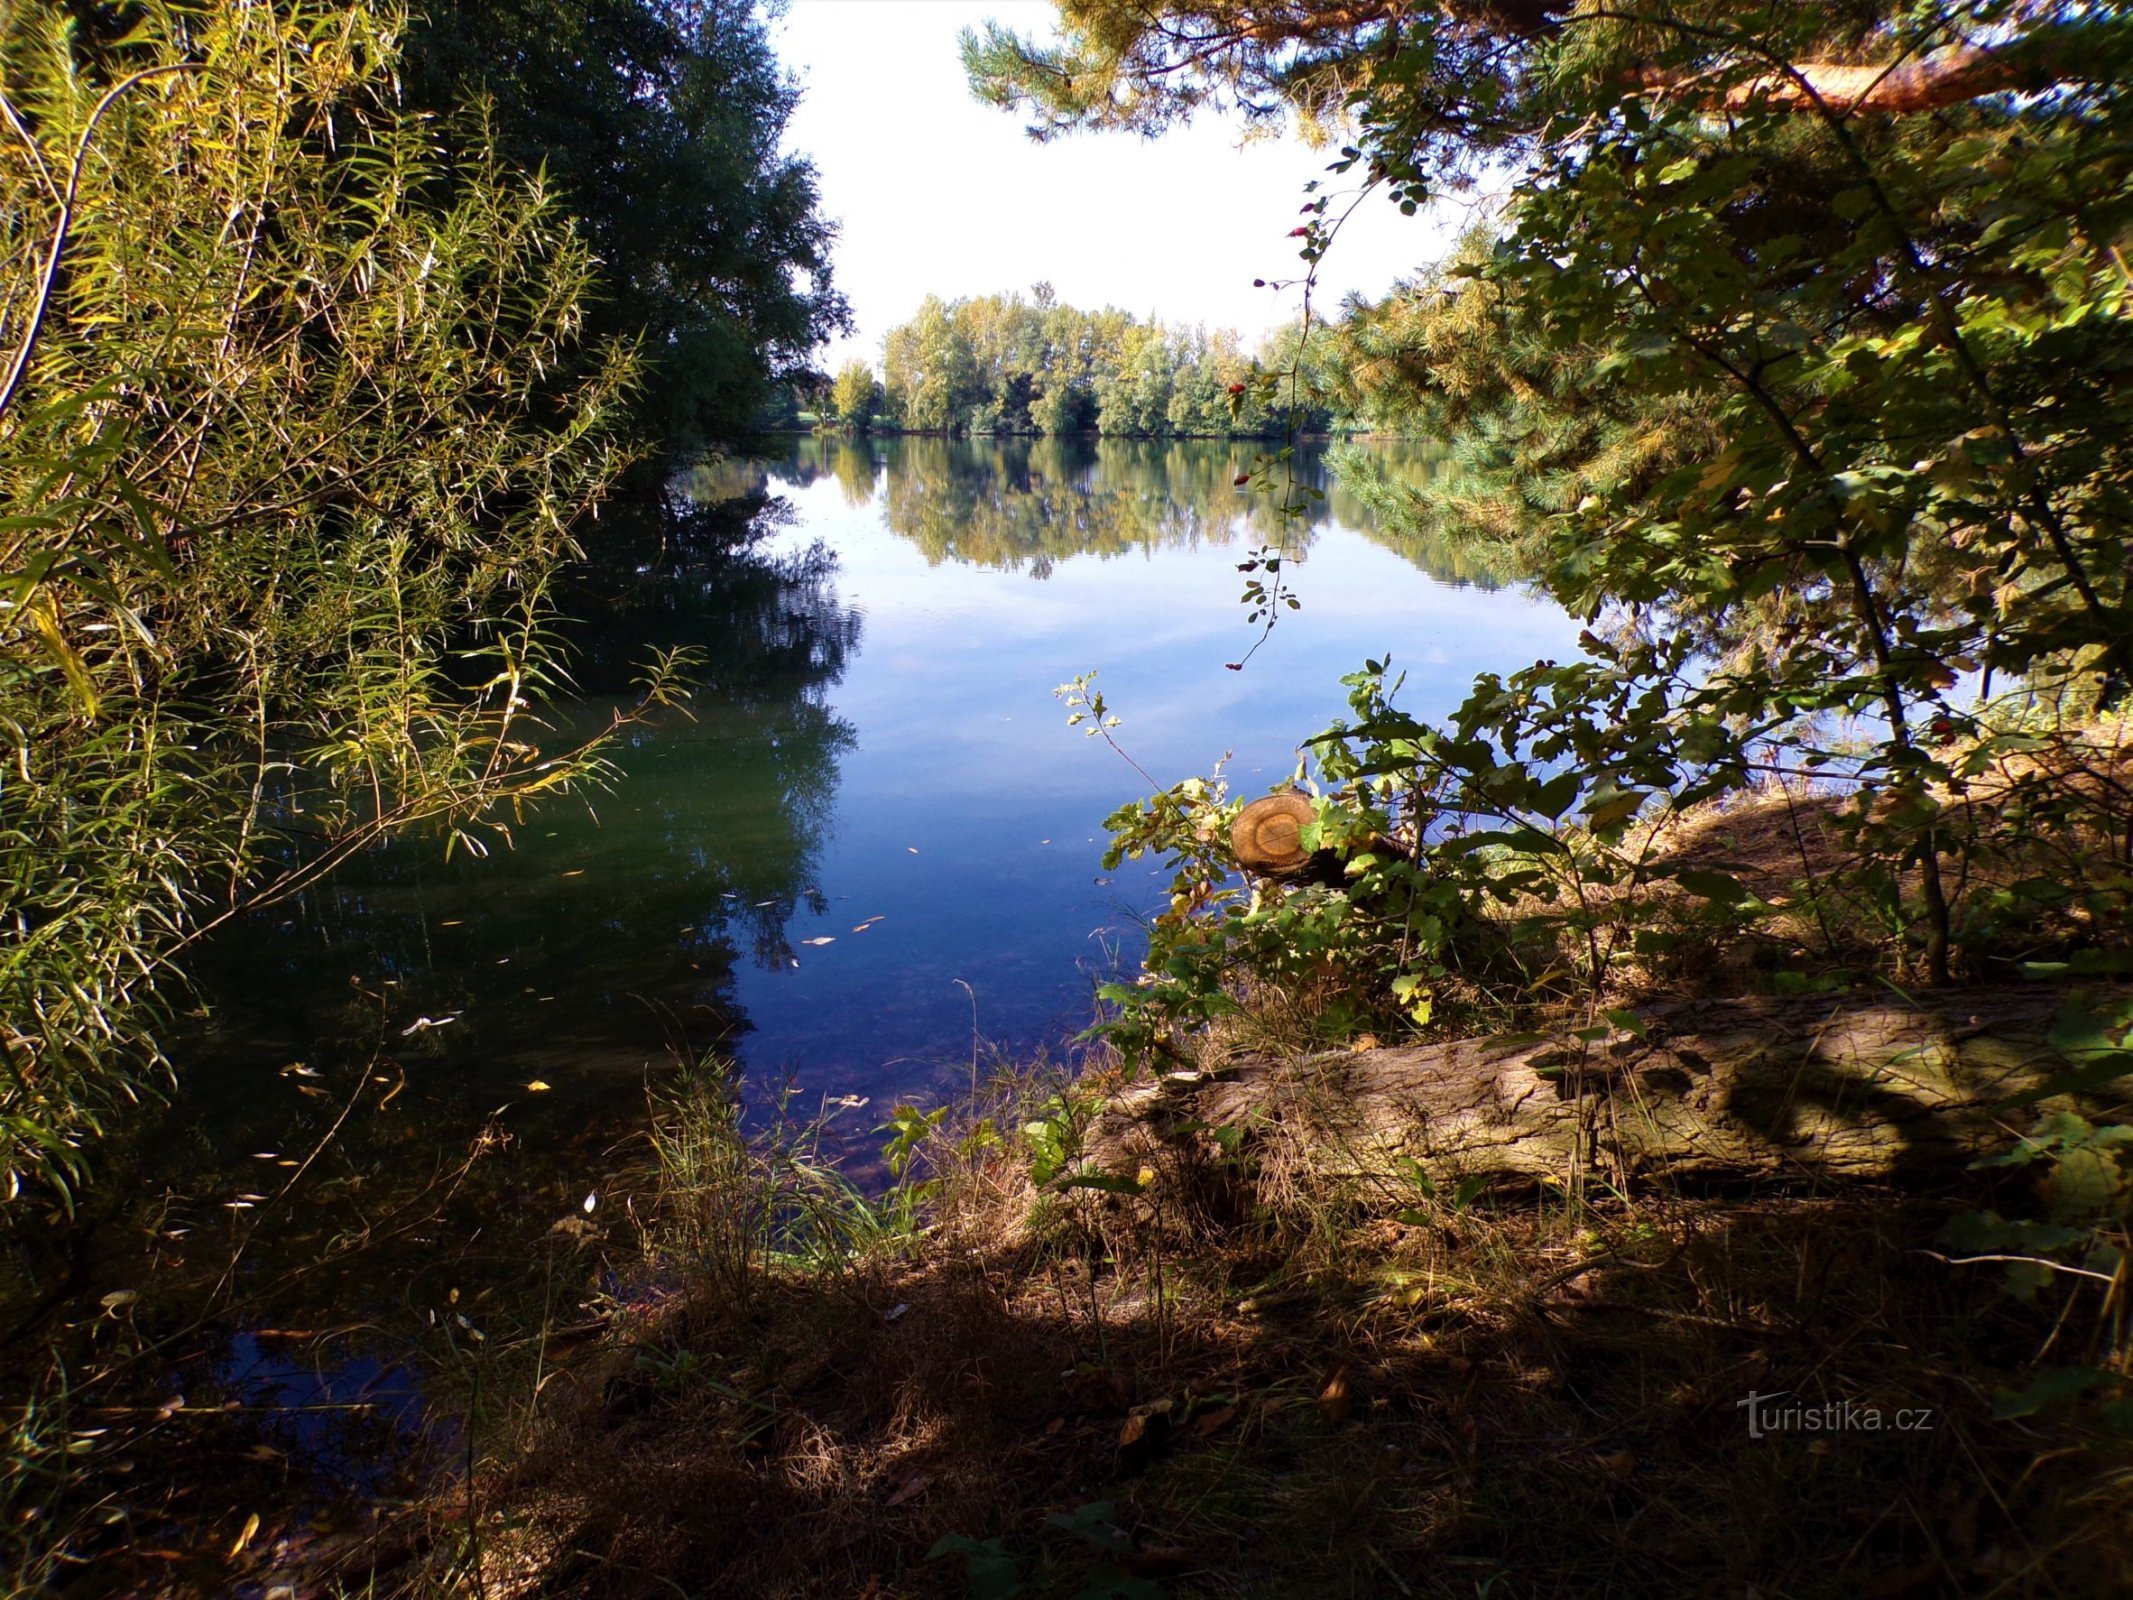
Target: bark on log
[(1719, 1092)]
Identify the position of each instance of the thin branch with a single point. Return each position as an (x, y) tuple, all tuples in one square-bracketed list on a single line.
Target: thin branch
[(66, 220)]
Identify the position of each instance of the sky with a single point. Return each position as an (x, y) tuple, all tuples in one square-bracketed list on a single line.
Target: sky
[(936, 193)]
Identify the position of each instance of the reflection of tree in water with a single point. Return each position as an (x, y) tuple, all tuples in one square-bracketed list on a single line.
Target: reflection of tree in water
[(1024, 505), (616, 917), (1401, 496), (745, 792)]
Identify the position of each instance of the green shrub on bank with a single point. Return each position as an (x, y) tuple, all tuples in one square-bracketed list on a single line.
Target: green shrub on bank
[(294, 433)]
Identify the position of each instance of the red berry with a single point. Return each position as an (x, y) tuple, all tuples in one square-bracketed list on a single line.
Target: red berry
[(1243, 478)]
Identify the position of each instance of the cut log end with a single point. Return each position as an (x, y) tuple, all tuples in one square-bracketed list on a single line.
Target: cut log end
[(1267, 835)]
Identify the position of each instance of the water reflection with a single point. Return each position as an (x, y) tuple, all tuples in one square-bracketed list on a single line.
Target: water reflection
[(637, 901), (1024, 505)]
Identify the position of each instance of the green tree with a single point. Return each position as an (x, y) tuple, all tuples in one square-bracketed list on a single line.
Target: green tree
[(1001, 365), (1790, 358), (659, 123), (295, 427)]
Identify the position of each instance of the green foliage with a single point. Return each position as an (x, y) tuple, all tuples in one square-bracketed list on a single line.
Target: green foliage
[(991, 1572), (1504, 855), (1002, 364), (2085, 1171), (1806, 407), (659, 124), (737, 1207), (1817, 395), (305, 419)]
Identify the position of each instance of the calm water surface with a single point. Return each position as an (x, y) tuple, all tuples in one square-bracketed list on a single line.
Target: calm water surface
[(878, 743)]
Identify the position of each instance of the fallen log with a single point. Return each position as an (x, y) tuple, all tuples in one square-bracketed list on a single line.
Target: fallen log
[(1714, 1092)]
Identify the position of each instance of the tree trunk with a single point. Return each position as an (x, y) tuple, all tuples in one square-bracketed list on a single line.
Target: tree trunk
[(1718, 1092)]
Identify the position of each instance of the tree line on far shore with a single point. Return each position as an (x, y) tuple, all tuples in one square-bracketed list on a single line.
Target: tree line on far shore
[(1010, 364)]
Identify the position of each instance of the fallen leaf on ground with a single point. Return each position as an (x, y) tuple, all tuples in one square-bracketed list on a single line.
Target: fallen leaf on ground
[(1334, 1400), (914, 1486), (1211, 1422)]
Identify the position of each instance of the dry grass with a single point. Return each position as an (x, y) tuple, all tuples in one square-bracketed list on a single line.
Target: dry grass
[(1282, 1385)]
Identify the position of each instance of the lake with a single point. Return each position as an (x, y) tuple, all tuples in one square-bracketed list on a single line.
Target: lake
[(877, 821), (872, 848)]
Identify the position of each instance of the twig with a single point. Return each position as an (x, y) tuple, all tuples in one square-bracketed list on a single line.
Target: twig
[(65, 221)]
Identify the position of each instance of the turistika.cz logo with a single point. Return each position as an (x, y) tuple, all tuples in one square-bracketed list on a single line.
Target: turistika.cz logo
[(1767, 1416)]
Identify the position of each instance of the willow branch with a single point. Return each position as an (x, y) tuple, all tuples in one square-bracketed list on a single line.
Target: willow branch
[(50, 277)]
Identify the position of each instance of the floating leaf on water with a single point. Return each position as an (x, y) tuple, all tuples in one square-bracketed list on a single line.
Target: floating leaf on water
[(575, 872), (453, 923), (266, 1155), (591, 1200), (236, 1205), (119, 1299), (912, 848), (796, 961), (251, 1526), (762, 903), (850, 1102), (826, 938), (537, 1086)]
